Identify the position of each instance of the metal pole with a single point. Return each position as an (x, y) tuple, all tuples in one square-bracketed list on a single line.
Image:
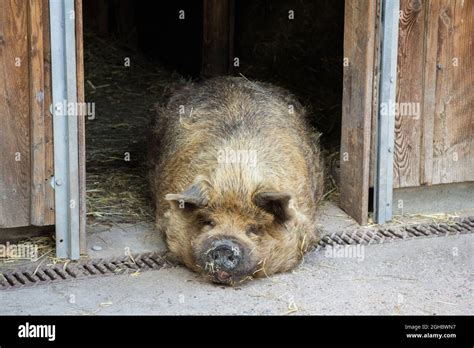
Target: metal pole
[(64, 108), (383, 189)]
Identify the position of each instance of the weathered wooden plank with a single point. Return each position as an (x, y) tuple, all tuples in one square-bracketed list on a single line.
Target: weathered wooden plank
[(14, 115), (444, 151), (408, 121), (217, 45), (37, 124), (81, 124), (48, 120), (461, 113), (453, 151), (375, 97), (429, 91), (359, 46)]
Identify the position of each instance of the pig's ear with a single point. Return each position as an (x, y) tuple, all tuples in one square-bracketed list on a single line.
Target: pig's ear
[(191, 198), (275, 203)]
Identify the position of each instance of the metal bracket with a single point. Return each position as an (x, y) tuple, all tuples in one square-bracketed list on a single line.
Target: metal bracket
[(383, 184), (66, 159)]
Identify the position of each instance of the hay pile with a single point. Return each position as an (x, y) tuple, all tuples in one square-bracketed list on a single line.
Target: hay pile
[(116, 139)]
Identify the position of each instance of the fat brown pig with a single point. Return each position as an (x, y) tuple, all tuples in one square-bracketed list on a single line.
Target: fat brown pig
[(236, 175)]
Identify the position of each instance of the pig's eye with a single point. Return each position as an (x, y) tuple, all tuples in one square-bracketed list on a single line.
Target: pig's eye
[(209, 222), (253, 230), (205, 221)]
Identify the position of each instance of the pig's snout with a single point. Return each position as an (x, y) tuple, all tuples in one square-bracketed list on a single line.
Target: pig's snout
[(225, 259), (225, 256)]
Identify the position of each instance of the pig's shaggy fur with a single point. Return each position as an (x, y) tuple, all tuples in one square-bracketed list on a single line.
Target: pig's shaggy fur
[(232, 113)]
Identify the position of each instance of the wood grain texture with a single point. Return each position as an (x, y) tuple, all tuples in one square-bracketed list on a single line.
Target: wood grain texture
[(217, 45), (359, 49), (14, 115), (49, 218), (436, 70), (453, 128), (429, 92), (81, 125), (37, 124), (408, 125), (375, 97)]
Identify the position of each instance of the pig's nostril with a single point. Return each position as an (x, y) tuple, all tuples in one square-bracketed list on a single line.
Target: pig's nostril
[(225, 256)]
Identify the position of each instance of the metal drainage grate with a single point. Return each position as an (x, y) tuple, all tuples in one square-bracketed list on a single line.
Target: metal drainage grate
[(153, 261), (385, 235), (33, 276)]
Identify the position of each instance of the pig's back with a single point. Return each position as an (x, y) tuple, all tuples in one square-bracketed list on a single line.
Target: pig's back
[(238, 115)]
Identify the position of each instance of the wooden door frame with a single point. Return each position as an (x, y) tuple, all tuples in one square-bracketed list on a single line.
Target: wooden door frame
[(360, 29), (81, 125), (370, 63)]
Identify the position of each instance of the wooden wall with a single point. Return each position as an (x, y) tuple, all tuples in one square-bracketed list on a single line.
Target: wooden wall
[(435, 76), (26, 152), (435, 69)]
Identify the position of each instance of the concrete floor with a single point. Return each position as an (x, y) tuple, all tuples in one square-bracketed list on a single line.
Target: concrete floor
[(421, 276)]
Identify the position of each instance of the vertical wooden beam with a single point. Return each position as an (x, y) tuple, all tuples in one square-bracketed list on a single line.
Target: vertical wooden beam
[(49, 218), (359, 49), (453, 127), (430, 50), (15, 170), (37, 124), (81, 125), (411, 63), (218, 40), (375, 96)]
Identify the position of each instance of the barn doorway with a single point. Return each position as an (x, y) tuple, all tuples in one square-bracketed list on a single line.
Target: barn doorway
[(133, 52)]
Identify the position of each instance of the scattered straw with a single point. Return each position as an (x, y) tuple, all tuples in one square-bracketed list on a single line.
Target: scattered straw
[(44, 245), (124, 99)]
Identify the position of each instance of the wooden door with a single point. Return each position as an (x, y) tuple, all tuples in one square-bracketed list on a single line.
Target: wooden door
[(26, 132), (436, 75), (360, 38), (26, 148)]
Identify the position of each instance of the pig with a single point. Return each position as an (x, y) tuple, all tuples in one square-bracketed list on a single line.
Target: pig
[(236, 173)]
